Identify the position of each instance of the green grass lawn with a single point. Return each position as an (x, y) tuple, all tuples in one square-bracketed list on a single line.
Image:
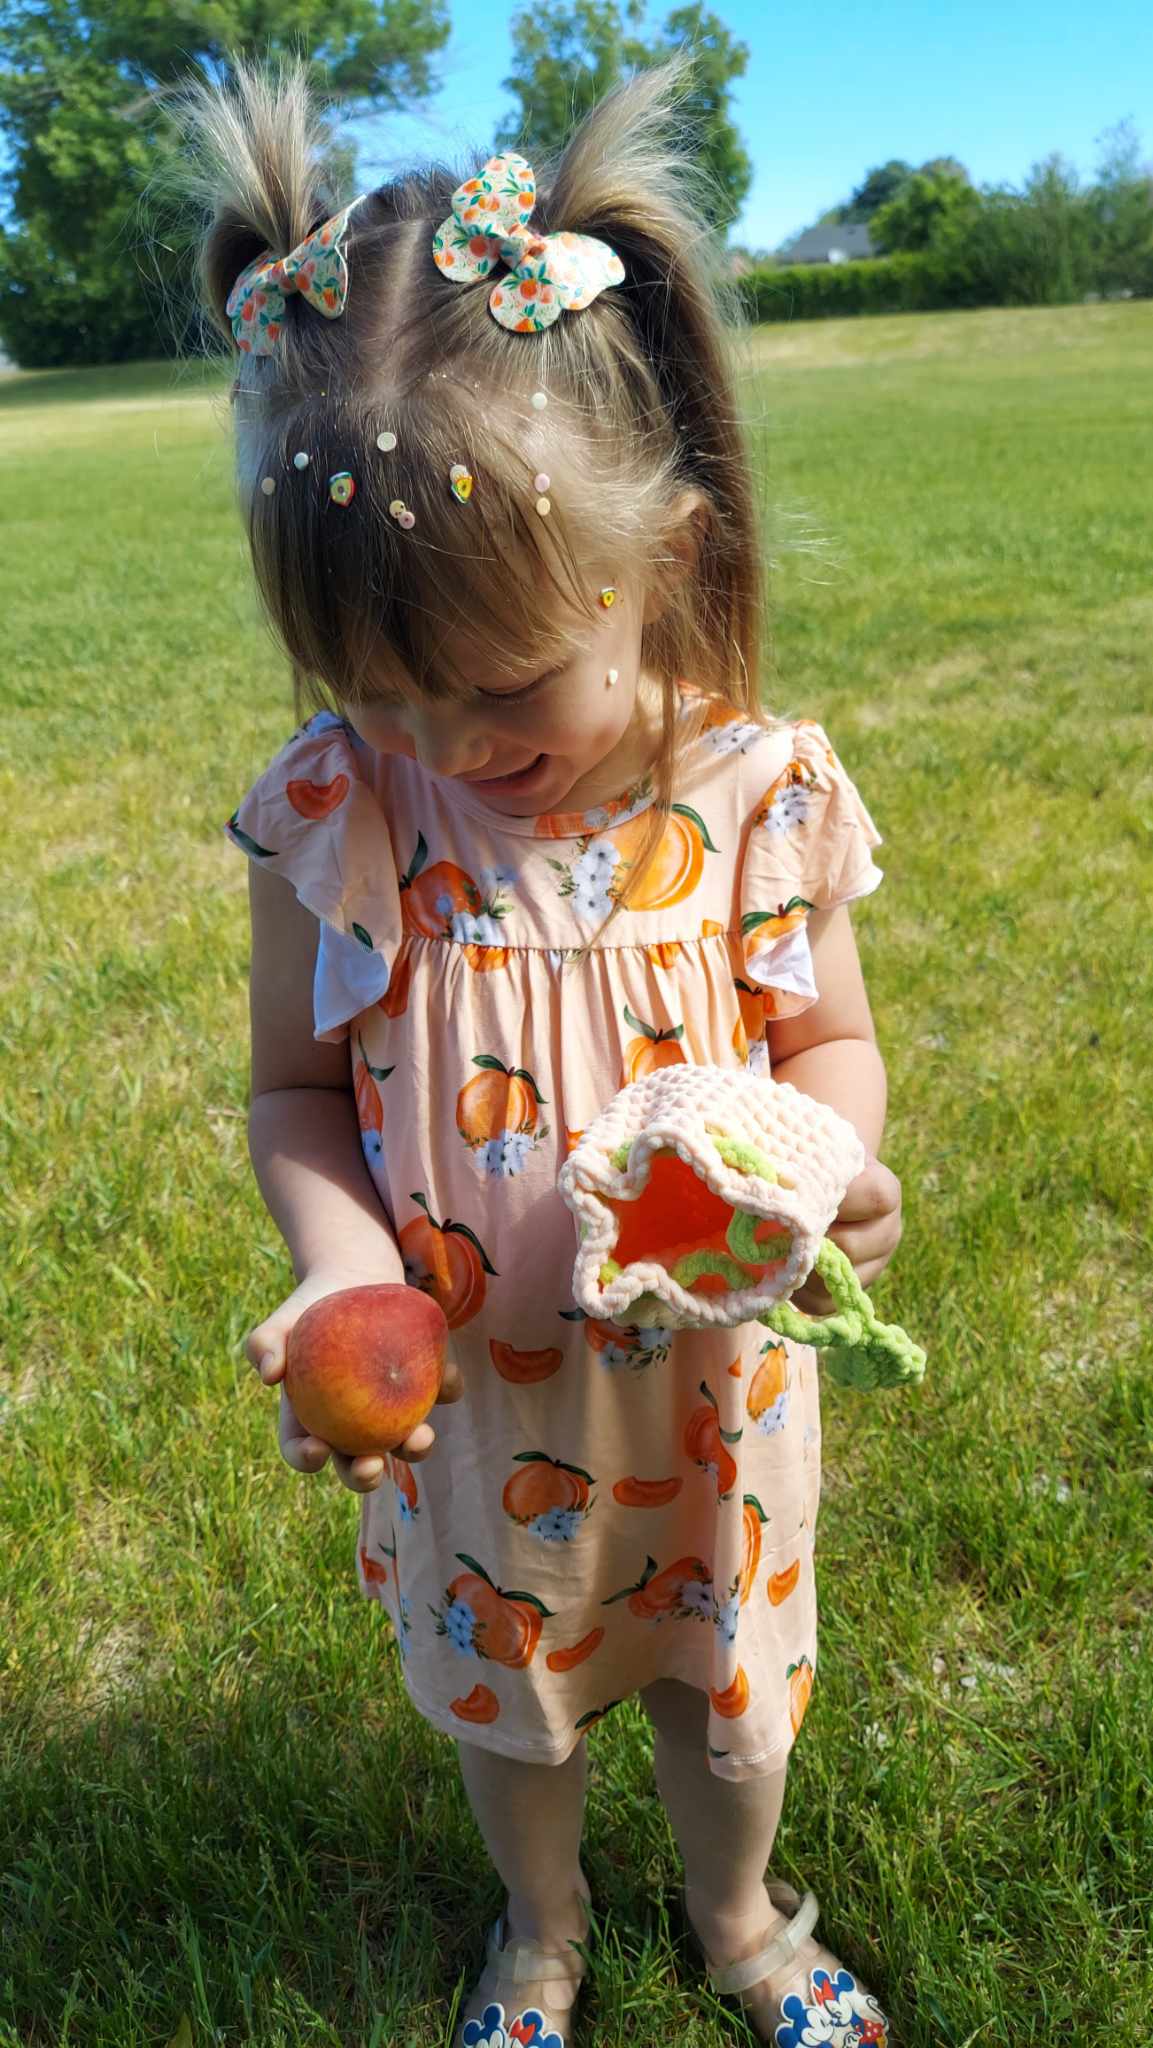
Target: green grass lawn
[(220, 1821)]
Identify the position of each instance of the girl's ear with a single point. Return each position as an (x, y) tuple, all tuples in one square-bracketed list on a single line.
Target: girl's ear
[(689, 520)]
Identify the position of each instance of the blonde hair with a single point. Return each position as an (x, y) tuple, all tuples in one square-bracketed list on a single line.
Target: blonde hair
[(641, 407)]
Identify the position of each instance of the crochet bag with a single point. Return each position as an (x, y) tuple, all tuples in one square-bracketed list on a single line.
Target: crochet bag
[(702, 1197)]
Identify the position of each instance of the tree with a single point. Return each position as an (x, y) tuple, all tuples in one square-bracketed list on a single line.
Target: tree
[(876, 189), (568, 53), (82, 114), (910, 219), (1120, 207)]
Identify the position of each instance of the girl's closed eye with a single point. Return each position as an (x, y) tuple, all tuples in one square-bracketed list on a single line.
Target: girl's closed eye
[(532, 689)]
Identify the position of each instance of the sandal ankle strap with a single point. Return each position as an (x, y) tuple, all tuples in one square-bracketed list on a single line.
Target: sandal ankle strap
[(736, 1977), (522, 1961)]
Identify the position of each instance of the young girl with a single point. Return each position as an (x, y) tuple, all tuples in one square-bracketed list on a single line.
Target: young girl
[(499, 504)]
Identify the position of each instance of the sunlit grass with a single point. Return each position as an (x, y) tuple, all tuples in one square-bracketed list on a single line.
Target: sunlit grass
[(214, 1798)]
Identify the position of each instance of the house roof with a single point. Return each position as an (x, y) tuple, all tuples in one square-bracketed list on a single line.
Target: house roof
[(832, 243)]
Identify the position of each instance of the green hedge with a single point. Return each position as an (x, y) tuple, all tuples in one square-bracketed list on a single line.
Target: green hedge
[(828, 291)]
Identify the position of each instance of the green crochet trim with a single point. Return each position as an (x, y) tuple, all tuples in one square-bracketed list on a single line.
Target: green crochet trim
[(744, 1158), (863, 1352), (620, 1158), (609, 1271), (693, 1264)]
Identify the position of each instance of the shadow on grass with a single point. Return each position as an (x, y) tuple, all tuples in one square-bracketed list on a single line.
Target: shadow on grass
[(283, 1871), (194, 378)]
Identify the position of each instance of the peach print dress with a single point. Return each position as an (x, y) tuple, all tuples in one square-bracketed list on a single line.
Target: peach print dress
[(606, 1505)]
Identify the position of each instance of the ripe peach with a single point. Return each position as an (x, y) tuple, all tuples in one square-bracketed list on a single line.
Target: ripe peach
[(363, 1366)]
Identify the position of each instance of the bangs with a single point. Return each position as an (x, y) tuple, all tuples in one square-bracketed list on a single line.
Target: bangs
[(490, 587)]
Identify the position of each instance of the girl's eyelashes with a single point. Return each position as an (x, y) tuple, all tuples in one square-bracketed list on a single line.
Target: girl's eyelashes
[(522, 696)]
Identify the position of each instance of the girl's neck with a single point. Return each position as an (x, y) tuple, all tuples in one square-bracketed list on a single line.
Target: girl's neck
[(634, 754)]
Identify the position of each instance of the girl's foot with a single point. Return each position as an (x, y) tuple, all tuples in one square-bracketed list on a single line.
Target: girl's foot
[(534, 1977), (806, 1989)]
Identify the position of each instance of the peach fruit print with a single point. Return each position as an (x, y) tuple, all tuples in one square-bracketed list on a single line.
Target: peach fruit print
[(706, 1442), (767, 1402), (482, 1620), (599, 875), (444, 902), (683, 1590), (650, 1049), (446, 1260), (630, 1345), (547, 1498), (496, 1115), (369, 1107)]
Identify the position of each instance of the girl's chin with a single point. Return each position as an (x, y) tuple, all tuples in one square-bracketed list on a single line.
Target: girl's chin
[(520, 791)]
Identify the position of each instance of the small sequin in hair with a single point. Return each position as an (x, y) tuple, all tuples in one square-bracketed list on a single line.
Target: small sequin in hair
[(641, 407)]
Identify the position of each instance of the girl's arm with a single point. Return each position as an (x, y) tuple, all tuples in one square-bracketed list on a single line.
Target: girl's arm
[(848, 1074), (306, 1153)]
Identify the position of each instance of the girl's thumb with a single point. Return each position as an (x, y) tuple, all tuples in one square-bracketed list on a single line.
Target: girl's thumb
[(265, 1349)]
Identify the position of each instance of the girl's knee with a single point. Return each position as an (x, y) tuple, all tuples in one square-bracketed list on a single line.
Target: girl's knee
[(678, 1712)]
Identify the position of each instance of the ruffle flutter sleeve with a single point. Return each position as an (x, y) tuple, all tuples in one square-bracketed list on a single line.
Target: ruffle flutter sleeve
[(808, 848), (314, 818)]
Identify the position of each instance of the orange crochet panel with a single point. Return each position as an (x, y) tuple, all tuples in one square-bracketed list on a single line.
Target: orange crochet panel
[(685, 1177), (677, 1213)]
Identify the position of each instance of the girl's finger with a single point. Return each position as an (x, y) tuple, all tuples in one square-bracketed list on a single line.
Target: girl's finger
[(418, 1444), (360, 1475)]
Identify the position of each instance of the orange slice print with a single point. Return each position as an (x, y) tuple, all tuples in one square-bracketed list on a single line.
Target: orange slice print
[(567, 1660), (481, 1705)]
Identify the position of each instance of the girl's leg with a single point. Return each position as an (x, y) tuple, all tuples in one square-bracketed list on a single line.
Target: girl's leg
[(531, 1817), (725, 1833)]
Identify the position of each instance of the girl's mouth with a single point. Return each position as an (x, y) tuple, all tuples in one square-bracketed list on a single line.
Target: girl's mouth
[(498, 784)]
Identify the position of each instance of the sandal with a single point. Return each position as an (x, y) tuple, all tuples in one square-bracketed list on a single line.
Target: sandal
[(509, 1963), (836, 2008)]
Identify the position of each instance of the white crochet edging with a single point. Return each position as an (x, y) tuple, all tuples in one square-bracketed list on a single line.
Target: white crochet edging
[(816, 1153)]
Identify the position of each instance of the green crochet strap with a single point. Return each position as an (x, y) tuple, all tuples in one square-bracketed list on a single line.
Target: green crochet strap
[(862, 1352), (741, 1238)]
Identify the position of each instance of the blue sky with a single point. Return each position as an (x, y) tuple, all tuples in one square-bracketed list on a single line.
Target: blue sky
[(832, 89)]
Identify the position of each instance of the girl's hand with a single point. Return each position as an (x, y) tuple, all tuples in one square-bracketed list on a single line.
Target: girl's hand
[(867, 1229), (265, 1346)]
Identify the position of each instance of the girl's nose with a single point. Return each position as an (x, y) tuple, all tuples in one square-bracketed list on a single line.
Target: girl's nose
[(445, 743)]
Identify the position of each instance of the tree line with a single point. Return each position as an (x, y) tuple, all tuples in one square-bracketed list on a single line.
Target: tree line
[(92, 270)]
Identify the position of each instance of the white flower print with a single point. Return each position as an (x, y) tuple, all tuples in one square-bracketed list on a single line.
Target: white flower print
[(558, 1526), (504, 1156), (595, 819), (492, 879), (473, 931), (459, 1626), (589, 901), (737, 737), (597, 861), (790, 806), (697, 1597), (725, 1616), (774, 1416)]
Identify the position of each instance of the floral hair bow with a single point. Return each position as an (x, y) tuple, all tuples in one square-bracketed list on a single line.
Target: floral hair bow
[(549, 274), (316, 269)]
